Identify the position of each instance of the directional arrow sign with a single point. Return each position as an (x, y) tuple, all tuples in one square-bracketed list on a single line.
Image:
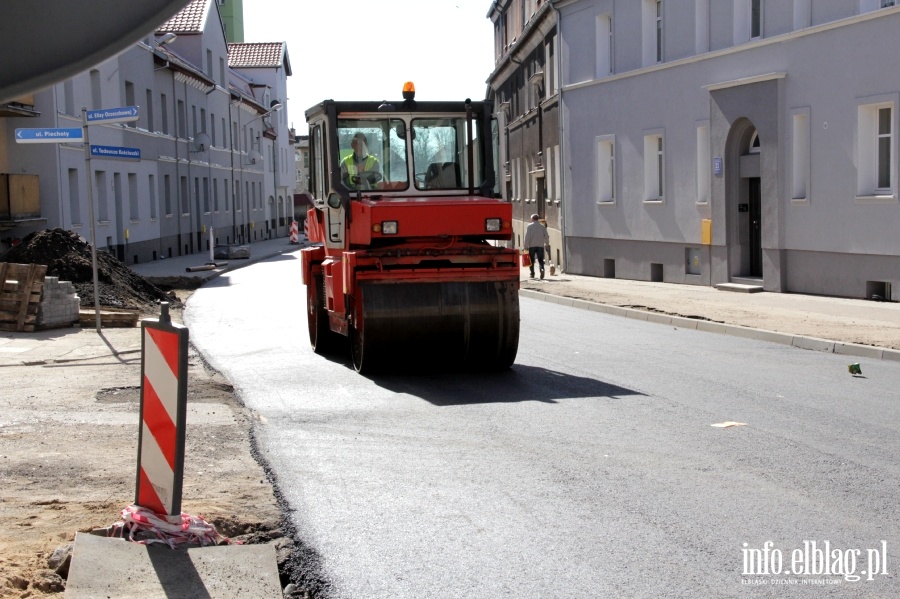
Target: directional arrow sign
[(115, 152), (112, 115), (48, 136)]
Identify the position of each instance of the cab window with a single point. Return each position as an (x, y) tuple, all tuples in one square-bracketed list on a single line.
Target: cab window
[(440, 154), (372, 154)]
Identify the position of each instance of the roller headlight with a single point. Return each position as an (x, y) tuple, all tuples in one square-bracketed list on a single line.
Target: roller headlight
[(492, 225), (389, 227)]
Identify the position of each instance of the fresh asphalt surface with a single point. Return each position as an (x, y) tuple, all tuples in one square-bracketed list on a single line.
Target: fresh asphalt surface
[(590, 469)]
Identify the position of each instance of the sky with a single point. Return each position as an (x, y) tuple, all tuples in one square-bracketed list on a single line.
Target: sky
[(367, 49)]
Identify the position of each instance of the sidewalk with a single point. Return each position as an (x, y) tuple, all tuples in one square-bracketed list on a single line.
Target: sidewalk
[(177, 267), (853, 327)]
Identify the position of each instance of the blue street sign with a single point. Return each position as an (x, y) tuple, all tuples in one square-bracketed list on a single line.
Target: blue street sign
[(112, 115), (48, 136), (115, 152)]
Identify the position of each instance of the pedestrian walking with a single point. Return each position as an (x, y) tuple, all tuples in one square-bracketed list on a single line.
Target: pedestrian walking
[(536, 237)]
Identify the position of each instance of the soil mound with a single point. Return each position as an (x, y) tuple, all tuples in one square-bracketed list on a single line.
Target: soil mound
[(68, 257)]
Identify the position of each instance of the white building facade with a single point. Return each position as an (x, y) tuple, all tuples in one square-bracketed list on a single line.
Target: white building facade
[(749, 141), (207, 136)]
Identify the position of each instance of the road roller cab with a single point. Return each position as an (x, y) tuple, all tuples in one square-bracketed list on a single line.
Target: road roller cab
[(409, 260)]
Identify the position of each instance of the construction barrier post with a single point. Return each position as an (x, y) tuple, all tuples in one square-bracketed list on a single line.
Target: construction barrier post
[(295, 232), (164, 358)]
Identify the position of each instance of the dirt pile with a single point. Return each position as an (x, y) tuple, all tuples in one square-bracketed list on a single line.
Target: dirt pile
[(68, 257)]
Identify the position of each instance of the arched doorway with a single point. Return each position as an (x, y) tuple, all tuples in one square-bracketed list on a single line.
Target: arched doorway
[(744, 203)]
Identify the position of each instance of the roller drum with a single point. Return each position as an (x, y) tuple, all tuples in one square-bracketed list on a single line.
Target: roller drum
[(471, 325)]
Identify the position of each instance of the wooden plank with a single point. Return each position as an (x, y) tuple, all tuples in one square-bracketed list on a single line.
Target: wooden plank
[(23, 307), (20, 294)]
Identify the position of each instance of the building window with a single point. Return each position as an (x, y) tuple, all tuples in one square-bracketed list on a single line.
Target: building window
[(703, 164), (800, 154), (130, 100), (96, 97), (802, 14), (883, 153), (701, 26), (149, 111), (182, 119), (185, 199), (875, 148), (225, 194), (164, 113), (151, 187), (102, 201), (755, 19), (754, 143), (654, 168), (604, 35), (606, 169), (69, 95), (133, 203), (205, 195), (167, 194), (74, 197), (652, 32), (659, 31)]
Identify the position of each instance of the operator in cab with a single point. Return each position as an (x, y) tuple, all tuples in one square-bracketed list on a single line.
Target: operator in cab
[(360, 170)]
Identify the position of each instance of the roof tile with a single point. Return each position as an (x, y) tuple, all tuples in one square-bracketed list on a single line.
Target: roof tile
[(189, 20), (249, 55)]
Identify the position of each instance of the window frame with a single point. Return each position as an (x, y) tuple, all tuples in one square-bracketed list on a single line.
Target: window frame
[(606, 164), (654, 167), (867, 149)]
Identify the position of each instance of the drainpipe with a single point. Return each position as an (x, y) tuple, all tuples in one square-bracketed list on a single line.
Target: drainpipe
[(188, 153), (231, 152), (177, 169), (564, 201)]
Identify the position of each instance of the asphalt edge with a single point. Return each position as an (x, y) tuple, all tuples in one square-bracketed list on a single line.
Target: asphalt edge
[(798, 341)]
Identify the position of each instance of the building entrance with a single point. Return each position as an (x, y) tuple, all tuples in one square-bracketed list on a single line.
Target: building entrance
[(754, 201)]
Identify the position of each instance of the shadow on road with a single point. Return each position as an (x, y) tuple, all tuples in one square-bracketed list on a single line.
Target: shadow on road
[(520, 383)]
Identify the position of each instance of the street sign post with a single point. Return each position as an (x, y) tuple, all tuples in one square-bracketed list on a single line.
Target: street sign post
[(48, 136), (109, 116), (116, 152)]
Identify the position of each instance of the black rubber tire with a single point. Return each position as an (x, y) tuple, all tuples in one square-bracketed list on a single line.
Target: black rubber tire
[(321, 338)]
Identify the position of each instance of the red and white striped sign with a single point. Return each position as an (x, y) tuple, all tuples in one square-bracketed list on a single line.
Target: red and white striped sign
[(163, 409)]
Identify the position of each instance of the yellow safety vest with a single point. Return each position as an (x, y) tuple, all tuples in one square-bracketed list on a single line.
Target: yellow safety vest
[(350, 163)]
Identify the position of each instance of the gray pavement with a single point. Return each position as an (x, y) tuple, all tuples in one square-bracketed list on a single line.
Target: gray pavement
[(631, 299)]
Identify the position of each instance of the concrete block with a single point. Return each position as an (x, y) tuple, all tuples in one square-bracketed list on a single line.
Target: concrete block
[(684, 323), (739, 331), (711, 327), (617, 311), (864, 351), (659, 318), (813, 344), (581, 304), (103, 567), (776, 337)]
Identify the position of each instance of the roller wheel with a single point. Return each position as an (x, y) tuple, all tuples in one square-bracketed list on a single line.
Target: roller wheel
[(362, 351), (426, 326), (321, 338)]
